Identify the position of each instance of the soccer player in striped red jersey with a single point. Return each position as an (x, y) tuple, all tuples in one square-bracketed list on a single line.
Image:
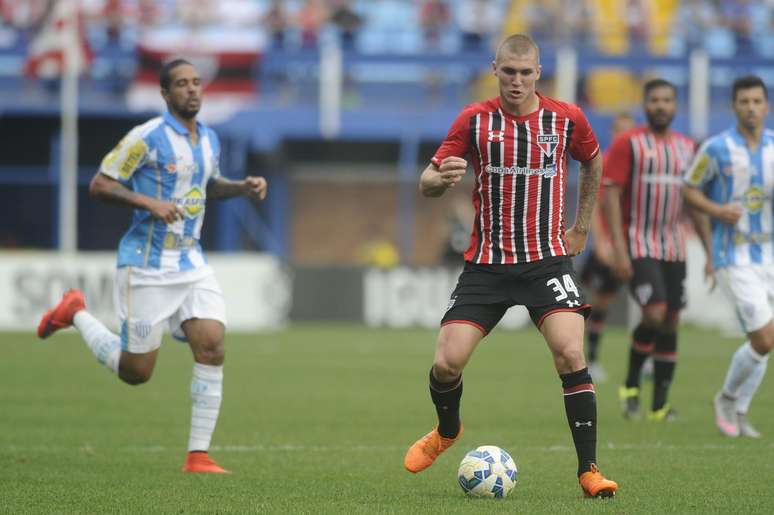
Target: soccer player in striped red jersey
[(643, 205), (597, 273), (519, 252)]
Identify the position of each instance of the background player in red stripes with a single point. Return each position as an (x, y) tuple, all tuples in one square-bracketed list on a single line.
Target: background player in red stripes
[(643, 205), (519, 253), (597, 272)]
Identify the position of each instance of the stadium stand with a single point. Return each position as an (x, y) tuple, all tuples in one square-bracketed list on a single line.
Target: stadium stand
[(403, 80)]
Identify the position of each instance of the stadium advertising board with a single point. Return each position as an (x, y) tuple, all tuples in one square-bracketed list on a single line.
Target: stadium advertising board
[(256, 287)]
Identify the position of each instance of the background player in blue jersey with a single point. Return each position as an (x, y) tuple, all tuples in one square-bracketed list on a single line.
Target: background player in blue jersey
[(165, 169), (732, 180)]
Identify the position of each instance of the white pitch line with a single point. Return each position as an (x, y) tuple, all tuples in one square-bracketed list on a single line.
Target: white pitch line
[(90, 448)]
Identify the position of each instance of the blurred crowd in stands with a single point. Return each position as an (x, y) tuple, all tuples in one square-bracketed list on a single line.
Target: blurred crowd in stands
[(724, 27)]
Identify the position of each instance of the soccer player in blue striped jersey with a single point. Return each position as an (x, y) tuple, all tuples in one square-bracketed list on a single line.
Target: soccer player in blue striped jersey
[(732, 180), (165, 169)]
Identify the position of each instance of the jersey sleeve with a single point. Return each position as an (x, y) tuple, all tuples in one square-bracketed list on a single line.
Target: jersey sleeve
[(703, 167), (583, 143), (457, 142), (617, 168), (129, 155)]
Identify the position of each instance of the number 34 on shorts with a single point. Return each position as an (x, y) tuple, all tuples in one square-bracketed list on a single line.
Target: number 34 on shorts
[(565, 290)]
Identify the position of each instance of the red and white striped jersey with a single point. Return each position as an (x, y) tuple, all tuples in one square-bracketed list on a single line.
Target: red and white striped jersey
[(649, 169), (520, 164)]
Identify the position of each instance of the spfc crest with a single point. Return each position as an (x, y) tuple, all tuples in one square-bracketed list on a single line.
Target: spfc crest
[(548, 143), (496, 136)]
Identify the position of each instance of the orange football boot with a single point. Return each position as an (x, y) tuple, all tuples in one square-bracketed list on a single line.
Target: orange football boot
[(200, 462), (425, 450), (594, 483), (61, 315)]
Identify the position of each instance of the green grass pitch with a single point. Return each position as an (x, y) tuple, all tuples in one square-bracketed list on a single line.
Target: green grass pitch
[(316, 419)]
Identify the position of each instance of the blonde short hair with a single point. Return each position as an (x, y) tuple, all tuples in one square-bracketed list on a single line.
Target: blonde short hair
[(519, 44)]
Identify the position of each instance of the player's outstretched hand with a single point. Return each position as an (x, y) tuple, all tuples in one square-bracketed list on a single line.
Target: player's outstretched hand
[(169, 212), (729, 213), (576, 241), (256, 187), (452, 169)]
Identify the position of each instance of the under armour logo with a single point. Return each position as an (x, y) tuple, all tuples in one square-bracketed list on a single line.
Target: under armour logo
[(573, 303), (578, 424)]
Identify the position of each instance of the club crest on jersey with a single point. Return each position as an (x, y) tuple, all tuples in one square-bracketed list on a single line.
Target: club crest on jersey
[(496, 136), (548, 143)]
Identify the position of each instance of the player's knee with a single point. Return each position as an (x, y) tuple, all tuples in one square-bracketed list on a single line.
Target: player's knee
[(135, 376), (210, 353), (446, 370), (569, 357), (763, 341), (654, 316)]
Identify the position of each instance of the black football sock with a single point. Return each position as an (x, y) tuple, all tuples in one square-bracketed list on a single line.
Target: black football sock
[(664, 361), (642, 345), (596, 325), (580, 404), (446, 397)]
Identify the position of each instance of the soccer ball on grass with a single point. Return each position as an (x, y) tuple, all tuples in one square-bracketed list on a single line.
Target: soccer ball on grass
[(487, 471)]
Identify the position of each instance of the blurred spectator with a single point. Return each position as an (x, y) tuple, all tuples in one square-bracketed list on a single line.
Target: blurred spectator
[(391, 26), (576, 23), (694, 21), (197, 13), (737, 16), (763, 28), (275, 21), (346, 20), (152, 13), (23, 14), (541, 19), (434, 18), (478, 20), (310, 20), (635, 14)]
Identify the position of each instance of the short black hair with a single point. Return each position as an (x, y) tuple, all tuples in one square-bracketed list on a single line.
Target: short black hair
[(165, 75), (657, 83), (748, 82)]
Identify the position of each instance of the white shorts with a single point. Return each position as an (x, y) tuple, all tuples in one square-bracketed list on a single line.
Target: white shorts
[(751, 290), (145, 309)]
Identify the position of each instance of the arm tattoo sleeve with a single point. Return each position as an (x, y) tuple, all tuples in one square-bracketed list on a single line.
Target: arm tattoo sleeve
[(591, 173)]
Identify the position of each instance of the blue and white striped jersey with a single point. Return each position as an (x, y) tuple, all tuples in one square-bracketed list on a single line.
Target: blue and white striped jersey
[(158, 159), (728, 171)]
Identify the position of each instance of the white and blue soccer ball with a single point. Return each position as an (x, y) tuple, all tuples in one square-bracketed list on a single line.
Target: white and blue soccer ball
[(487, 471)]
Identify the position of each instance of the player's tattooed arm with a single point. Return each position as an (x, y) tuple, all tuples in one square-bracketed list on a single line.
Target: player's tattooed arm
[(110, 190), (588, 186), (591, 172), (222, 188)]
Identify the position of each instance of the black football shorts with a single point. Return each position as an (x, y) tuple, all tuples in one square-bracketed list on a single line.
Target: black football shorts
[(485, 292), (597, 276), (656, 281)]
